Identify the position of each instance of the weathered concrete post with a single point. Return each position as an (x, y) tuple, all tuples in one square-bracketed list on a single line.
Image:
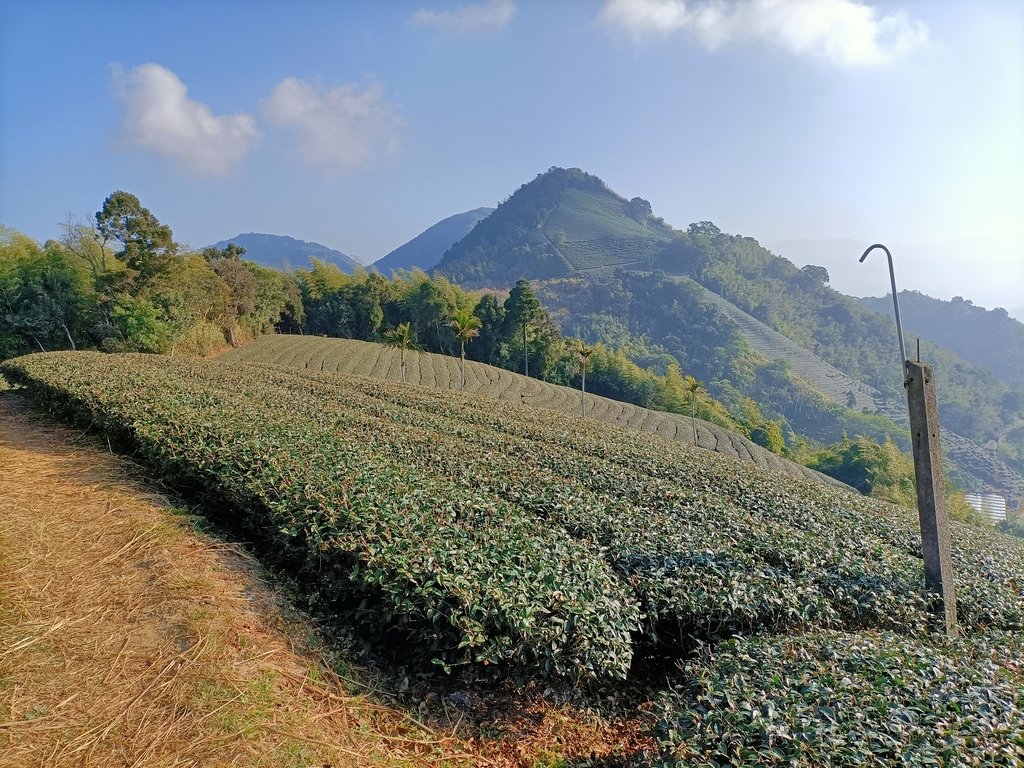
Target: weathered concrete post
[(931, 483), (931, 487)]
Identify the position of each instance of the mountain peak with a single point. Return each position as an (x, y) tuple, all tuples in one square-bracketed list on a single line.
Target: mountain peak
[(427, 248), (284, 252), (563, 221)]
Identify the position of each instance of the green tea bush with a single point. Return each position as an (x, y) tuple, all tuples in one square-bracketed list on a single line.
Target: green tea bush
[(835, 699), (464, 576), (500, 534)]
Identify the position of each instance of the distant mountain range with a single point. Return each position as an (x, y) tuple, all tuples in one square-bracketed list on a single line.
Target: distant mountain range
[(427, 248), (283, 252)]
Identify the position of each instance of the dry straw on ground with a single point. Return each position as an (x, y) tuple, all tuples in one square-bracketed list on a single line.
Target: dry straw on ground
[(128, 639)]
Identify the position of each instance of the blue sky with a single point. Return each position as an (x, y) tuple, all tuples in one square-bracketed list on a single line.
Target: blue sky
[(359, 124)]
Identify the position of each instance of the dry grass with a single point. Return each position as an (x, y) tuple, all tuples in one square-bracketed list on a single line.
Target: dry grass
[(129, 639)]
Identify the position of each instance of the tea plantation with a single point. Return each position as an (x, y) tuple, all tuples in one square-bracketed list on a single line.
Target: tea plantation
[(314, 353), (785, 617)]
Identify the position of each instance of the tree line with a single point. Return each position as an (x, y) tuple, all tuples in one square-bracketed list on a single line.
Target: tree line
[(121, 283)]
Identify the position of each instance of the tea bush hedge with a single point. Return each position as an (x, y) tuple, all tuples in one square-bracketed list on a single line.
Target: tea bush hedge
[(496, 534), (836, 699), (463, 574)]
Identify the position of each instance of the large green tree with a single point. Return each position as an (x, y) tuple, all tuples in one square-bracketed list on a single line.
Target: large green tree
[(521, 309), (44, 296), (145, 242), (488, 348)]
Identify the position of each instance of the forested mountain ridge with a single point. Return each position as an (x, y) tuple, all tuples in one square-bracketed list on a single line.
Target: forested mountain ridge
[(427, 248), (987, 337), (564, 221), (598, 257), (284, 252)]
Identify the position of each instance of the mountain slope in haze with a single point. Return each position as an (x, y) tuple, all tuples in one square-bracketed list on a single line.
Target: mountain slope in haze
[(976, 466), (990, 338), (427, 248), (284, 252), (914, 264), (562, 222)]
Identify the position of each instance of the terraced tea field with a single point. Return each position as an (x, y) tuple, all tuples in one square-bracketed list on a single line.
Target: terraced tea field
[(313, 353), (524, 541)]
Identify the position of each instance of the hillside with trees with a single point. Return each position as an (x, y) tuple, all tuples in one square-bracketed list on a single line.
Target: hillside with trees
[(987, 337), (122, 284), (783, 357), (566, 229)]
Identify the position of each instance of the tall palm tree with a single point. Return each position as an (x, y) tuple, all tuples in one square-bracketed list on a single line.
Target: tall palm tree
[(467, 327), (584, 351), (694, 386), (402, 338)]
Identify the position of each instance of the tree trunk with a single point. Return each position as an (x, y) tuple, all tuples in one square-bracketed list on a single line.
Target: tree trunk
[(526, 354), (462, 355), (583, 392), (70, 340)]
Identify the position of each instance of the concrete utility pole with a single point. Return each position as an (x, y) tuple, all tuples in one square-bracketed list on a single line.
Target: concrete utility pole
[(933, 517), (931, 487)]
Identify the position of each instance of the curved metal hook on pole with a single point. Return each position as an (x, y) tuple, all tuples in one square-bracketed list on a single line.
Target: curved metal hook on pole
[(895, 301)]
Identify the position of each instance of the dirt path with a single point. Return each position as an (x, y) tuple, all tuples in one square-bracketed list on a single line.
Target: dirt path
[(127, 638)]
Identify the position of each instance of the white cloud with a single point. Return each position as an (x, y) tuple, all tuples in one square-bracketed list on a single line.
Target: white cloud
[(469, 18), (847, 33), (159, 117), (340, 127)]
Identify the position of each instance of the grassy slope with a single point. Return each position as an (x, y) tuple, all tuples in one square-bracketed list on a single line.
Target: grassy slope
[(438, 371)]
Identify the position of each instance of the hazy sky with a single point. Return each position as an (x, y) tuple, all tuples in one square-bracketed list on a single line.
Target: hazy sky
[(359, 124)]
